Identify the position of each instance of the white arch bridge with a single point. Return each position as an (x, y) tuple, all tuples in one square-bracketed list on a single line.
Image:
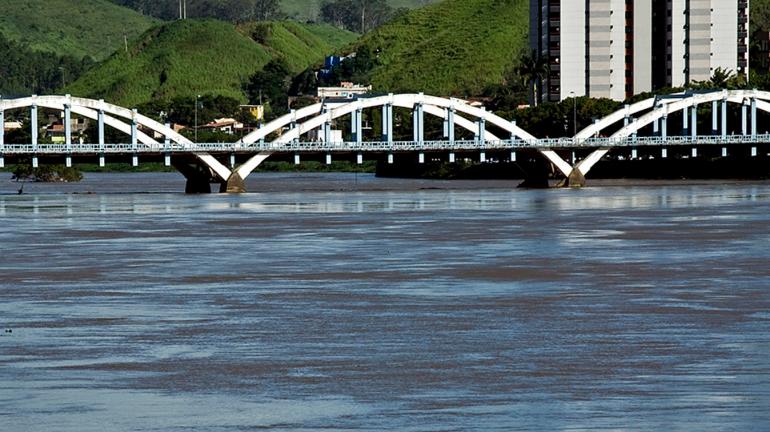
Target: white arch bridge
[(467, 130)]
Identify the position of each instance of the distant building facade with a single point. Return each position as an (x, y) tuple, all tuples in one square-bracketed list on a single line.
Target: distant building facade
[(618, 48), (346, 90)]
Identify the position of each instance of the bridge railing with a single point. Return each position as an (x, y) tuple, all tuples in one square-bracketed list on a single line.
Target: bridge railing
[(380, 146)]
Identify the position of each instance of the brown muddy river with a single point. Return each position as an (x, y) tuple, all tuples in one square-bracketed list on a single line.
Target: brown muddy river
[(346, 302)]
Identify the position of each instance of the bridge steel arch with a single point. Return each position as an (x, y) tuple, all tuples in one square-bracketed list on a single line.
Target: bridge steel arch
[(94, 109), (755, 98), (364, 103), (661, 108), (321, 114)]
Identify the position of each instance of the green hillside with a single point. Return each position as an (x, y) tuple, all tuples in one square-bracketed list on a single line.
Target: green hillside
[(454, 47), (185, 58), (308, 9), (71, 27)]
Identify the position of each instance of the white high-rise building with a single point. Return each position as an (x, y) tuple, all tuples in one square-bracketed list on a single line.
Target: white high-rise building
[(618, 48)]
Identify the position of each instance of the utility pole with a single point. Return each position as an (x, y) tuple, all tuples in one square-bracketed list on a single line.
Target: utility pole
[(574, 113)]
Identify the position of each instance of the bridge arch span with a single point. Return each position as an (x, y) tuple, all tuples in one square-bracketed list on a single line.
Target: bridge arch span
[(408, 100), (673, 100), (403, 101), (91, 108), (740, 97), (321, 113)]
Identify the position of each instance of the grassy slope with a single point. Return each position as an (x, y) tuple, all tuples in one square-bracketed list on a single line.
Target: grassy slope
[(201, 57), (454, 47), (75, 27), (308, 9)]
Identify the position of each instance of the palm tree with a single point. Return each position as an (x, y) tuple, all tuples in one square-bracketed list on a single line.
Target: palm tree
[(533, 69)]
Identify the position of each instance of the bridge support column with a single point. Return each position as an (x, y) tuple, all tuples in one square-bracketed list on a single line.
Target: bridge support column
[(694, 121), (390, 158), (292, 126), (627, 117), (359, 126), (232, 160), (744, 119), (714, 117), (134, 138), (421, 157), (753, 152), (656, 127), (513, 156), (451, 157), (360, 158), (694, 152), (685, 122), (418, 119), (449, 126), (634, 154), (387, 123), (68, 133), (328, 158), (481, 130), (327, 130), (724, 151), (664, 128), (483, 157), (754, 118), (724, 119), (167, 146), (33, 131), (296, 159), (663, 153), (100, 121)]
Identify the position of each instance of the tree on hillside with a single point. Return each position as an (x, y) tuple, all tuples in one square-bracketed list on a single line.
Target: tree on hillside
[(533, 69), (356, 15), (356, 69), (270, 86), (25, 71)]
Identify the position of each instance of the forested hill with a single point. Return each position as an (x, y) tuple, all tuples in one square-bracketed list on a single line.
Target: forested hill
[(240, 10), (206, 57), (76, 28), (454, 47)]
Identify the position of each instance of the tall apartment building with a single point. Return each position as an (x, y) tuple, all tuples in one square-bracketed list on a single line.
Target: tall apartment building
[(618, 48)]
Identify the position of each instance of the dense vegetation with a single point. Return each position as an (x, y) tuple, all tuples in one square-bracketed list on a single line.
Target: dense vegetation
[(191, 57), (244, 10), (227, 10), (455, 47), (25, 71), (94, 28), (356, 15)]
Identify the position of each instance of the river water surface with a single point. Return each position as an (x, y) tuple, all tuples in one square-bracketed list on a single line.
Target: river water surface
[(346, 302)]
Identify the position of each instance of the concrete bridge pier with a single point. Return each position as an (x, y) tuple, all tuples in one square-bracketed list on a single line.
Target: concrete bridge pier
[(199, 176), (576, 179), (539, 174)]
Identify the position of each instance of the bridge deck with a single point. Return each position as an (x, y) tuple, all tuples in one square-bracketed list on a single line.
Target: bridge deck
[(395, 146)]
